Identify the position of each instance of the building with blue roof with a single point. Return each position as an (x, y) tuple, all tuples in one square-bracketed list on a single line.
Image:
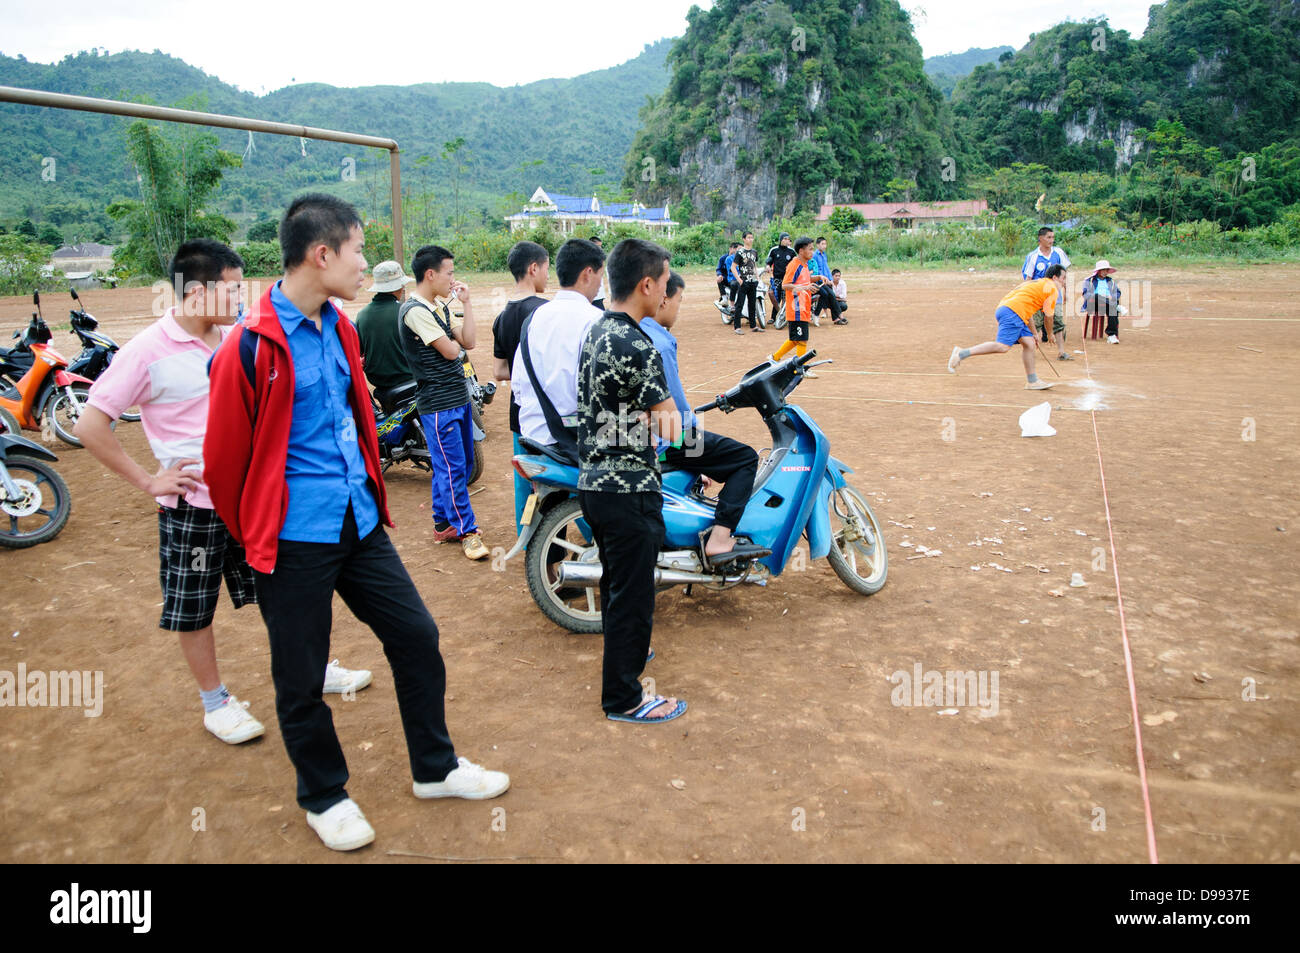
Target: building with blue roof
[(577, 214)]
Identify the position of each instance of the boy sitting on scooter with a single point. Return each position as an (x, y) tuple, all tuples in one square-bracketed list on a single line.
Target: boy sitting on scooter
[(729, 462)]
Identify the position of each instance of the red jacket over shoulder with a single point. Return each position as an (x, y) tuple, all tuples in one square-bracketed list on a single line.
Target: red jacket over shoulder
[(247, 441)]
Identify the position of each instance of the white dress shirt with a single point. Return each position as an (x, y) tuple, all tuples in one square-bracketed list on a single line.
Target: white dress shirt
[(555, 342)]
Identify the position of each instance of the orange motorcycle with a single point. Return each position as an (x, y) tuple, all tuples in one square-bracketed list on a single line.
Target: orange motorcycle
[(44, 388)]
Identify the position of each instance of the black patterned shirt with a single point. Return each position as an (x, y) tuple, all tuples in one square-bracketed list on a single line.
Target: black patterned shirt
[(620, 376)]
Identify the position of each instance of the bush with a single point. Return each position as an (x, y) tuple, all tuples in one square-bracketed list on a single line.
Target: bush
[(266, 230), (262, 259), (483, 250), (22, 263)]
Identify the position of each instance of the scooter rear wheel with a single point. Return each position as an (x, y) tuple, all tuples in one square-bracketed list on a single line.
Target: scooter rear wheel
[(857, 553), (575, 609), (476, 465), (43, 510), (63, 411)]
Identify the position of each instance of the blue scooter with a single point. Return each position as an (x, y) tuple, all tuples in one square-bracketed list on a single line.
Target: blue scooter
[(800, 490)]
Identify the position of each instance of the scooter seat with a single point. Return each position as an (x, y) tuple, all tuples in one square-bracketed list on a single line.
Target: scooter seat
[(390, 398), (552, 450)]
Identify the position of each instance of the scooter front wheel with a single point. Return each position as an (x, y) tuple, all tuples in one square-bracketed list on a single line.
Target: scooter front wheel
[(857, 553), (40, 511), (560, 538)]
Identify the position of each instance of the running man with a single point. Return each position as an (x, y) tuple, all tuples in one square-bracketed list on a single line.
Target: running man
[(1014, 314)]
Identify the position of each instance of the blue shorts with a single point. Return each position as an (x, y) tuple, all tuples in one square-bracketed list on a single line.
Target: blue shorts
[(1011, 327)]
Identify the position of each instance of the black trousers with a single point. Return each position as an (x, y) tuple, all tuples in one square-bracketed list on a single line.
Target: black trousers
[(748, 293), (296, 603), (629, 529), (1107, 306), (825, 298), (730, 462)]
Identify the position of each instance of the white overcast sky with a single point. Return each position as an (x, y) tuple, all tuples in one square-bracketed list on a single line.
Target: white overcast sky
[(260, 46)]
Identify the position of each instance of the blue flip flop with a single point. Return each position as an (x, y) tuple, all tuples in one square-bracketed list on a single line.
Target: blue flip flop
[(651, 656), (642, 714)]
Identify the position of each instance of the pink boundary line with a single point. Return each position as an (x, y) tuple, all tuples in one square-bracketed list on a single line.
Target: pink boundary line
[(1152, 853)]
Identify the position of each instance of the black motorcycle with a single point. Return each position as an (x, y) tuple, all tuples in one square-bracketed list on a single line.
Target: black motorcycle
[(401, 433)]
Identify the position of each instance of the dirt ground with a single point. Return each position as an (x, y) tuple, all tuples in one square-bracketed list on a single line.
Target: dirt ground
[(792, 749)]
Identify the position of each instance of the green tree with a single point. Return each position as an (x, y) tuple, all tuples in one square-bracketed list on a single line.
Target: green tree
[(21, 264), (49, 235), (844, 219), (27, 229), (457, 158), (267, 230), (177, 177)]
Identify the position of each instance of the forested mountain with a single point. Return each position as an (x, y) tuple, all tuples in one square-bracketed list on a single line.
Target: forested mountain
[(774, 103), (570, 135), (944, 71), (1074, 95)]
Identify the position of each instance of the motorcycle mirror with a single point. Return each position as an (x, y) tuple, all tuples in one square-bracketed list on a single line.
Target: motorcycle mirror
[(36, 299), (74, 295)]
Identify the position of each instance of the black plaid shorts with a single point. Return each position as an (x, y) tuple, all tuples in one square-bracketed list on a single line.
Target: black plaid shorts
[(194, 551)]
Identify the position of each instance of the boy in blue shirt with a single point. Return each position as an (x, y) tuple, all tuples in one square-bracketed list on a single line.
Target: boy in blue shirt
[(716, 458)]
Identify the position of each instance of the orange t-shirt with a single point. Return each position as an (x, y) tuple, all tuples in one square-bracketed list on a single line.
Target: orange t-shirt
[(798, 290), (1031, 296)]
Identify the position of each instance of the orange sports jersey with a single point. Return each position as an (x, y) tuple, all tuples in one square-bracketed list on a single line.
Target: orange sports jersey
[(1037, 295), (798, 290)]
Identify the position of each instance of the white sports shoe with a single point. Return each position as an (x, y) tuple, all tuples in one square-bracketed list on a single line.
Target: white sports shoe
[(339, 679), (342, 827), (468, 780), (1112, 340), (1039, 385), (954, 359), (232, 723)]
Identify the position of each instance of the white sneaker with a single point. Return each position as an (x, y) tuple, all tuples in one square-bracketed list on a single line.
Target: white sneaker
[(339, 680), (954, 359), (342, 827), (817, 320), (1112, 340), (232, 723), (1039, 385), (468, 780)]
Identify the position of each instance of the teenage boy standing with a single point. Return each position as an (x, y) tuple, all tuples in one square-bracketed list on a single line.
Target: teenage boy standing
[(779, 257), (294, 471), (744, 267), (433, 339), (530, 265), (623, 402), (163, 370)]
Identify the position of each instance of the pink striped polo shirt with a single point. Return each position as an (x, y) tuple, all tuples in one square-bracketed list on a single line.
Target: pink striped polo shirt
[(163, 369)]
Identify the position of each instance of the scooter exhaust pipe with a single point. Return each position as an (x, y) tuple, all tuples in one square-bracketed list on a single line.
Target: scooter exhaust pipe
[(587, 575)]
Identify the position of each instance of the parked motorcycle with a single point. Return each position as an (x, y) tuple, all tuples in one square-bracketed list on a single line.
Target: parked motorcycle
[(480, 395), (97, 350), (401, 434), (34, 500), (800, 490), (37, 383)]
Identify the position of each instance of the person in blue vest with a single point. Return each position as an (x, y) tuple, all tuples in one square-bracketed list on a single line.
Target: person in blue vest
[(1044, 255)]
